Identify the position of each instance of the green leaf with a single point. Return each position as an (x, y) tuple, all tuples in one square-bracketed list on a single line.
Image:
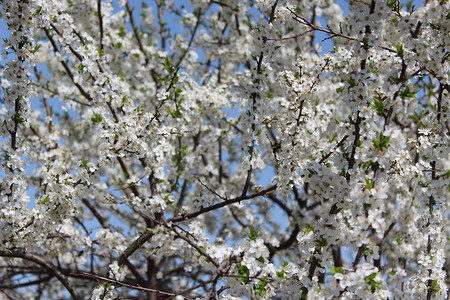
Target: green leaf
[(369, 183), (45, 200), (253, 233), (167, 64), (18, 119), (351, 82), (400, 50), (322, 242), (84, 162), (334, 270), (38, 11), (434, 286), (121, 31), (391, 3), (280, 274), (374, 285), (366, 165), (422, 184), (97, 118), (36, 48), (407, 93), (433, 26), (312, 172), (379, 107), (304, 294), (308, 228), (243, 271), (382, 143), (365, 43), (261, 288), (343, 172)]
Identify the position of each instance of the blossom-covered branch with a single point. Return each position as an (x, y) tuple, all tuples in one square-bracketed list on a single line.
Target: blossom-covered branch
[(220, 150)]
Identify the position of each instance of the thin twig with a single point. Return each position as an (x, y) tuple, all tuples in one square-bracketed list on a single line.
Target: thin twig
[(190, 40), (211, 190), (8, 296), (290, 37), (101, 278), (192, 244), (331, 32), (66, 67), (136, 31)]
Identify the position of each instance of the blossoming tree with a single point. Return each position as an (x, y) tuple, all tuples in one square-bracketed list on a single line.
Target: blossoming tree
[(136, 151)]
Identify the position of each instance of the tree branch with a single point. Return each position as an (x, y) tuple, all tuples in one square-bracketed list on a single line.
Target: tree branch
[(121, 283), (47, 266), (220, 205)]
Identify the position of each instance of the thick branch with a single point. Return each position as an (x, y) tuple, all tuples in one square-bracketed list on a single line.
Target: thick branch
[(134, 246), (100, 22), (221, 204)]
